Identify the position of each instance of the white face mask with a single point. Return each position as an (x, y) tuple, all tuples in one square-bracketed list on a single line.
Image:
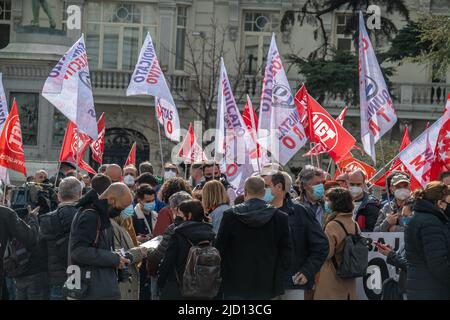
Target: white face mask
[(128, 180), (169, 175), (355, 191), (402, 194)]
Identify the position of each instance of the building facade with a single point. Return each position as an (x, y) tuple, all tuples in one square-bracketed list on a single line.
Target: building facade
[(34, 35)]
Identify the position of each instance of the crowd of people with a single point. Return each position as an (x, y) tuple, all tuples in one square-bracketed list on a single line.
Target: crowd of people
[(282, 239)]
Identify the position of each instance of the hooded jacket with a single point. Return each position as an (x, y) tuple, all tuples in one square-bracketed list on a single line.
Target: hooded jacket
[(100, 259), (367, 214), (176, 255), (255, 248), (427, 243)]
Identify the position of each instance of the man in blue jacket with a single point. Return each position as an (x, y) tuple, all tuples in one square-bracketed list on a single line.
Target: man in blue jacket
[(309, 242)]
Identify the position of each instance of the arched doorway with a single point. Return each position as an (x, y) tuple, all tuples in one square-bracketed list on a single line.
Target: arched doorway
[(118, 142)]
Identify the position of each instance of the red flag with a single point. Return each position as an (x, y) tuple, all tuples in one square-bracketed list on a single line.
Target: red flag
[(251, 121), (325, 130), (98, 146), (441, 161), (132, 156), (11, 145), (74, 143), (341, 116), (190, 149), (351, 164)]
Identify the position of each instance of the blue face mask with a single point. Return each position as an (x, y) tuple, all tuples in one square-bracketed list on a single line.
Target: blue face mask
[(268, 197), (127, 212), (318, 191), (149, 206), (327, 208), (405, 220)]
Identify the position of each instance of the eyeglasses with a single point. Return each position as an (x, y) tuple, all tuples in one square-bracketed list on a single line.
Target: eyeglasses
[(170, 169)]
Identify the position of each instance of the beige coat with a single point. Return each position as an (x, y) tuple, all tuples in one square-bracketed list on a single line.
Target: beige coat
[(128, 290), (329, 285)]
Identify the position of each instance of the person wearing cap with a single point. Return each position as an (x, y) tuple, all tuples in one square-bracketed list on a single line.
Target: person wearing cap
[(389, 218), (196, 174), (64, 169)]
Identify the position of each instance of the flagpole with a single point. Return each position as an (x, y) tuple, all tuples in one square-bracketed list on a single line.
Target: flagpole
[(160, 143), (384, 164), (310, 153), (376, 175), (77, 153), (4, 188), (252, 119), (57, 172)]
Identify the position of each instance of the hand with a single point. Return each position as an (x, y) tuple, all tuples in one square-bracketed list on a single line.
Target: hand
[(385, 251), (144, 252), (33, 212), (142, 238), (392, 218), (123, 262), (300, 279)]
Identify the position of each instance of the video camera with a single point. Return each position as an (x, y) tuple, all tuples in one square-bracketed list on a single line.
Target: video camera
[(42, 195)]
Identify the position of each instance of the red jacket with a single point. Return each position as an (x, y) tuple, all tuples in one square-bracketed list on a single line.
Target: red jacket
[(164, 220)]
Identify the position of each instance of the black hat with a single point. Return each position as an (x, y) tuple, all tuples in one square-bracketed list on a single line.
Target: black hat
[(68, 164)]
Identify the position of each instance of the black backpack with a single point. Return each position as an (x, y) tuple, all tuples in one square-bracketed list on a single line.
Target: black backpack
[(356, 253)]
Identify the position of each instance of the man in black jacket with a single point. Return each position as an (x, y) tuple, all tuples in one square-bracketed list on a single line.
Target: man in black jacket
[(309, 242), (255, 247), (64, 169), (55, 231), (12, 227), (91, 245)]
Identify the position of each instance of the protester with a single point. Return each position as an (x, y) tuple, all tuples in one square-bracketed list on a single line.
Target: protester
[(330, 285), (170, 171), (129, 282), (196, 173), (155, 256), (215, 201), (55, 231), (255, 247), (166, 216), (145, 167), (312, 190), (129, 176), (12, 227), (239, 199), (102, 168), (145, 216), (148, 178), (211, 170), (30, 179), (92, 239), (65, 169), (87, 181), (114, 171), (40, 176), (398, 260), (384, 195), (427, 241), (309, 243), (189, 233), (389, 218), (444, 177), (342, 180), (366, 206)]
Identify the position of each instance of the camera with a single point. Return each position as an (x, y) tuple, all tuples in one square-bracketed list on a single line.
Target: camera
[(41, 195)]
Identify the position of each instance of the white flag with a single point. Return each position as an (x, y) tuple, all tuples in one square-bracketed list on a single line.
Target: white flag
[(419, 155), (280, 129), (3, 105), (233, 140), (68, 88), (148, 78), (168, 117), (377, 112)]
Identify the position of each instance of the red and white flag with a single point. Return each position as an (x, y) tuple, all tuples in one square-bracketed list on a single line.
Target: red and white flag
[(131, 156), (11, 145), (251, 121), (351, 164), (190, 150), (98, 146), (74, 146), (441, 161)]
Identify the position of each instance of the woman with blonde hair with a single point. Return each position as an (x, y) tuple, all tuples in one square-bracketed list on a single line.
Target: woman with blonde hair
[(215, 201)]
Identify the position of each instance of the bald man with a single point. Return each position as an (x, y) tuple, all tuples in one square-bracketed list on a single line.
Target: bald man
[(254, 245), (114, 171), (92, 242)]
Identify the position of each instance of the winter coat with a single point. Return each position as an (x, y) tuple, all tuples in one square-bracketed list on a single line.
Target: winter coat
[(382, 225), (330, 286), (427, 242), (91, 220), (163, 221), (129, 290), (255, 248), (309, 243), (216, 216), (11, 226), (55, 231), (172, 266), (367, 214)]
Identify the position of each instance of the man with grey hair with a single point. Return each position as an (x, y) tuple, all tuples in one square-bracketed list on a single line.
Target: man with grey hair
[(55, 231), (312, 190), (154, 257)]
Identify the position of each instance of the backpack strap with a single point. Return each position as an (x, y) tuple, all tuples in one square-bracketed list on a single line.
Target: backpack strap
[(333, 259), (342, 226)]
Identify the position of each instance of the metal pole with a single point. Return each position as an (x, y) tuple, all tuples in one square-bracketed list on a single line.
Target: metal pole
[(77, 153), (4, 188), (384, 163), (310, 152)]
